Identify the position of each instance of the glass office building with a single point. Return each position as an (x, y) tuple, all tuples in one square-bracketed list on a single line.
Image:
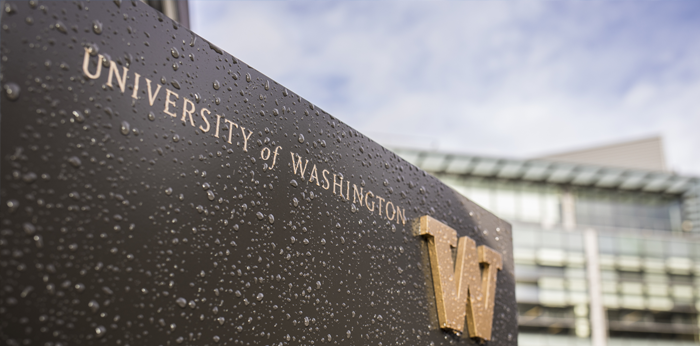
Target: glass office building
[(636, 281)]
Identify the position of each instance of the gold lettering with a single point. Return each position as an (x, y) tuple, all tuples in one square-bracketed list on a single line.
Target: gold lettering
[(136, 85), (114, 71), (262, 153), (356, 194), (204, 117), (380, 205), (393, 211), (186, 112), (338, 185), (461, 288), (347, 190), (230, 130), (152, 96), (328, 184), (274, 158), (168, 102), (297, 164), (245, 138), (86, 64), (400, 215), (314, 175), (218, 120), (367, 201)]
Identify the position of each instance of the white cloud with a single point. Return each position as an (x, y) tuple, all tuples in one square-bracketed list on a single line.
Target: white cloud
[(511, 79)]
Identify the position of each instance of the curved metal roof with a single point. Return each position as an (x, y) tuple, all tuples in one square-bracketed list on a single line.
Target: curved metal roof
[(549, 172)]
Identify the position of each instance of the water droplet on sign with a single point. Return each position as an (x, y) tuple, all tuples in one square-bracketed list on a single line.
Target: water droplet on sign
[(301, 138), (151, 116), (97, 27), (174, 52), (125, 128), (294, 183), (100, 331), (12, 91), (217, 85), (169, 191), (182, 302), (247, 77), (259, 215), (94, 306), (210, 195), (61, 27), (75, 161), (260, 296), (29, 228)]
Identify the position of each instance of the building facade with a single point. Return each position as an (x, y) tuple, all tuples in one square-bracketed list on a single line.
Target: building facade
[(605, 254)]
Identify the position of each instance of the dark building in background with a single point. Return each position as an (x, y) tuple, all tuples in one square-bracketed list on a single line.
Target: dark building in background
[(177, 10)]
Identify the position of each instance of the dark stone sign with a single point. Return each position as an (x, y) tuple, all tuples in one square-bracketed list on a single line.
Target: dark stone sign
[(158, 191)]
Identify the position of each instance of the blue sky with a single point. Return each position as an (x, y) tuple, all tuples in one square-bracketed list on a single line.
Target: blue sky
[(501, 78)]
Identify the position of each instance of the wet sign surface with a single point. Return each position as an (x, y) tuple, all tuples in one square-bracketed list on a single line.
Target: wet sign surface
[(158, 191)]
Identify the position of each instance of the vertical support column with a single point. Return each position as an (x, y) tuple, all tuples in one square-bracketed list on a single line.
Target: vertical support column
[(597, 312), (568, 210)]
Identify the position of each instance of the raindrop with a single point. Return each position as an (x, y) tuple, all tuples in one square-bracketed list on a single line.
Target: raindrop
[(175, 84), (275, 112), (12, 91), (318, 284), (125, 128), (210, 195), (295, 201), (100, 331), (97, 27), (13, 204), (79, 117), (29, 228), (182, 302), (294, 240), (217, 85), (29, 177), (93, 305), (169, 191), (174, 52), (75, 161), (176, 138), (285, 92), (380, 318), (294, 183), (61, 27), (192, 304), (271, 218), (247, 77), (267, 85), (260, 215), (221, 320), (301, 138), (323, 241), (260, 296)]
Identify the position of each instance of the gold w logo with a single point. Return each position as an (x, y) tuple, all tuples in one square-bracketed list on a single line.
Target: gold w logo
[(465, 286)]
